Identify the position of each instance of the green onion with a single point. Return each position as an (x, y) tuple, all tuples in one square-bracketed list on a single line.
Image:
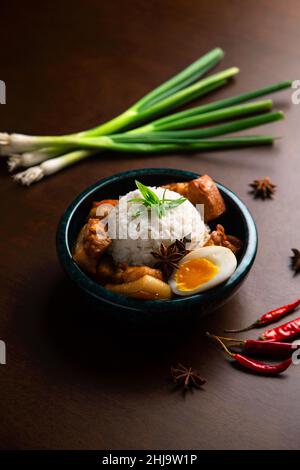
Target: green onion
[(135, 115), (32, 158), (170, 133), (212, 131), (172, 93), (28, 159), (205, 118), (182, 79), (49, 167), (132, 114), (201, 144), (187, 94), (179, 136), (223, 103)]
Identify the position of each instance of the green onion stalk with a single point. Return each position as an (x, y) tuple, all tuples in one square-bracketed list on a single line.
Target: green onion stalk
[(64, 142), (28, 158), (104, 142), (47, 168), (25, 151), (16, 143), (156, 142), (218, 110), (176, 91), (50, 154)]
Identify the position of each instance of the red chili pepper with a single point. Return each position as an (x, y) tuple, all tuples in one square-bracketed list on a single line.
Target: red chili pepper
[(261, 347), (254, 365), (272, 349), (270, 317), (283, 332), (262, 367)]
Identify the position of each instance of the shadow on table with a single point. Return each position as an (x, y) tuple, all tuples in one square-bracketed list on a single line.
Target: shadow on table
[(92, 334), (68, 342)]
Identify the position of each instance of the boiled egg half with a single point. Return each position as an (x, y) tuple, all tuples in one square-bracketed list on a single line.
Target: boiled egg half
[(203, 269)]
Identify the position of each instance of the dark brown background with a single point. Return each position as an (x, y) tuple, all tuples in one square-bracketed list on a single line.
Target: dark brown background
[(72, 382)]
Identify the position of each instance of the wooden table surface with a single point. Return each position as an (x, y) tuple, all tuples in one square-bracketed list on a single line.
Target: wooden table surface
[(71, 381)]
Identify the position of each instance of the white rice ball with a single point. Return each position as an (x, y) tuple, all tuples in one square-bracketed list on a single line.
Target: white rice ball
[(136, 231)]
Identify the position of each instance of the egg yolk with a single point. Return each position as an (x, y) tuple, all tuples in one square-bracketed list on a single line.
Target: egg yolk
[(195, 272)]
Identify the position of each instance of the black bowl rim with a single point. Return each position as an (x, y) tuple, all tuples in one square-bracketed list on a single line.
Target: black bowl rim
[(89, 286)]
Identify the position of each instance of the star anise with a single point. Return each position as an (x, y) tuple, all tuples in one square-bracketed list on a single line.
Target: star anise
[(263, 189), (168, 257), (295, 260), (187, 377)]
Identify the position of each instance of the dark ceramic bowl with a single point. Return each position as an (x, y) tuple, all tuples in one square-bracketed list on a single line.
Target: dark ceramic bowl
[(237, 221)]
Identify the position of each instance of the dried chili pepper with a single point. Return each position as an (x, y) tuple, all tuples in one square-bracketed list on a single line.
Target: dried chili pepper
[(283, 332), (270, 317), (254, 365), (261, 347), (262, 367)]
